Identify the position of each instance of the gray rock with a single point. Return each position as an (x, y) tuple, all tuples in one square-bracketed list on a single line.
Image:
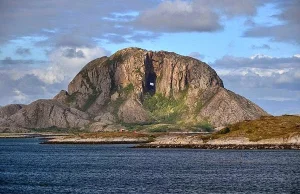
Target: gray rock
[(45, 114), (112, 90), (7, 111)]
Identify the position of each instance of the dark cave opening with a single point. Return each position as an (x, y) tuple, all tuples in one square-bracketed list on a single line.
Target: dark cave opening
[(151, 83)]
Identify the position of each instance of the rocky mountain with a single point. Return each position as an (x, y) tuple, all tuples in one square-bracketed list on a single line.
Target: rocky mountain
[(136, 86)]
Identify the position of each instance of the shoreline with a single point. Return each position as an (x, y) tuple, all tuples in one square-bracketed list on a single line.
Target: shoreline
[(94, 142), (224, 146)]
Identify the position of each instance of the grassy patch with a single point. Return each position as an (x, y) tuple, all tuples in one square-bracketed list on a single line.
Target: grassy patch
[(164, 109), (263, 128), (198, 107), (203, 126), (127, 89), (56, 130), (112, 135), (71, 98)]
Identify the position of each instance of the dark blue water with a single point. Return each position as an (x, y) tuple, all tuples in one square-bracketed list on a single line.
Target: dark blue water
[(29, 167)]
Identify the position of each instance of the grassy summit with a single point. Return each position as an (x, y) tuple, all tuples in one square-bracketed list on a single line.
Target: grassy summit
[(264, 128)]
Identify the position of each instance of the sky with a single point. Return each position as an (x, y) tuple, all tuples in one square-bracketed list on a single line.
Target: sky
[(254, 45)]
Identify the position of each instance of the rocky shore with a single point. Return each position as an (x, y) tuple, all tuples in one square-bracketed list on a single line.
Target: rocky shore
[(95, 141), (224, 146)]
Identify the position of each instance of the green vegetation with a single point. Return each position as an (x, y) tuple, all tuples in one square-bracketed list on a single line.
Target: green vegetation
[(57, 130), (91, 99), (138, 71), (127, 89), (264, 128), (202, 126), (124, 93), (224, 131), (160, 129), (136, 126), (198, 107), (150, 137), (164, 109), (71, 98), (111, 135)]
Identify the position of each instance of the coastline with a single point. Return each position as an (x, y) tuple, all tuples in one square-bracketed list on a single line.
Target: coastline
[(170, 140), (224, 146), (96, 141)]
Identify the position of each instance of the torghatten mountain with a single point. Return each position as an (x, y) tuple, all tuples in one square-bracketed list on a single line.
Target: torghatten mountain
[(136, 86)]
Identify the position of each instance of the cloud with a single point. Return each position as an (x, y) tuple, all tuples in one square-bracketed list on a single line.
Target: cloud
[(178, 16), (115, 38), (266, 80), (85, 24), (23, 81), (289, 28), (23, 51), (73, 53), (62, 67), (249, 22), (8, 63), (25, 89), (78, 26), (141, 36), (258, 61), (193, 16), (196, 55), (264, 46)]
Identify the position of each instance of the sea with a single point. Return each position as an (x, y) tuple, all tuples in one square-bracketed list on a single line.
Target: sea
[(26, 166)]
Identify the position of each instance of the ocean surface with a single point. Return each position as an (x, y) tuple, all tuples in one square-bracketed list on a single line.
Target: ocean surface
[(29, 167)]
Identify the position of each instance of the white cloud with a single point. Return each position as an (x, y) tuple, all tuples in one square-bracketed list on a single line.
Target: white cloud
[(278, 99), (19, 97), (62, 67), (296, 55), (179, 16), (24, 84), (271, 82), (260, 56)]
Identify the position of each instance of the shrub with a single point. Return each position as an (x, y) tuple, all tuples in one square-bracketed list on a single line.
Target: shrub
[(164, 109), (224, 131)]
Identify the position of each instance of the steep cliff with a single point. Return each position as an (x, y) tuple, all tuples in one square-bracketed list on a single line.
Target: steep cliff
[(139, 87)]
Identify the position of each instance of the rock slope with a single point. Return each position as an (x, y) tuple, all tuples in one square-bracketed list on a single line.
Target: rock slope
[(139, 86), (46, 114)]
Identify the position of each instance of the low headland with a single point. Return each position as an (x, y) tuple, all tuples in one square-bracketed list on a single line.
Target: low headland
[(268, 132)]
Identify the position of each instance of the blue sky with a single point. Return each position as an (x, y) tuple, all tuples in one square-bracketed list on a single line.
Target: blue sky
[(254, 45)]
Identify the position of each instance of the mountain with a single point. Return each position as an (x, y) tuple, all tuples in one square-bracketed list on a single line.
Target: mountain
[(136, 86)]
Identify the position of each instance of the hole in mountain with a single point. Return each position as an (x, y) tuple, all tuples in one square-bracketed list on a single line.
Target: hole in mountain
[(150, 83)]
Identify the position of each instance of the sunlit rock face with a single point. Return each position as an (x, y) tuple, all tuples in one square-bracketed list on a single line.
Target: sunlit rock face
[(143, 72), (137, 86)]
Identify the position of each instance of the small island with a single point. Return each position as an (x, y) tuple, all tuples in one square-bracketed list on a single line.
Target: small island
[(269, 132), (156, 99)]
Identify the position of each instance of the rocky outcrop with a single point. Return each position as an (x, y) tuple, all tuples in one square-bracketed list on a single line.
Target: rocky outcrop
[(127, 88), (132, 111), (107, 80), (224, 107), (177, 140), (7, 111), (46, 114)]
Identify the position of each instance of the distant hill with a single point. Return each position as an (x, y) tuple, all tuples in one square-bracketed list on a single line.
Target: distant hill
[(268, 127), (137, 87)]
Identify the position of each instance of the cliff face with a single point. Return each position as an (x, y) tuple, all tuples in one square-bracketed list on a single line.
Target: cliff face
[(9, 110), (139, 86), (46, 114), (107, 84)]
